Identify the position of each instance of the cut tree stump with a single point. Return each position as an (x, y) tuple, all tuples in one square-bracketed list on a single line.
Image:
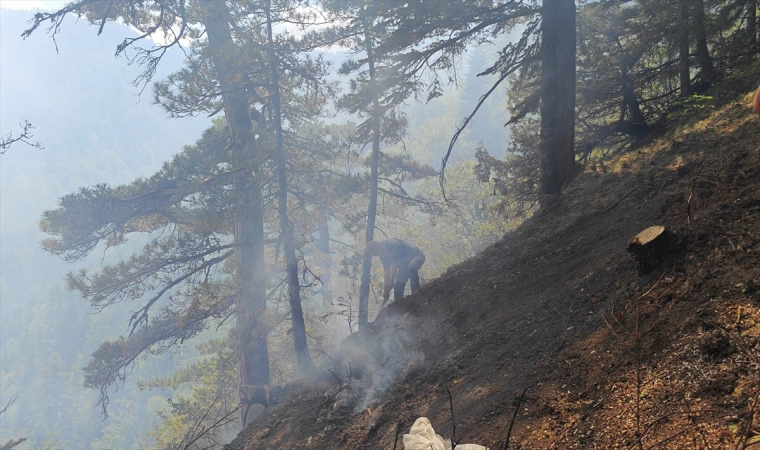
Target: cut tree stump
[(649, 248)]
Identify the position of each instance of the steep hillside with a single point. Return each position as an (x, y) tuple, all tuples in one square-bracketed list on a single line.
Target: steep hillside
[(558, 308)]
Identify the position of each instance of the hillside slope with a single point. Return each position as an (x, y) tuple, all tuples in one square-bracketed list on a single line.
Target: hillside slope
[(558, 307)]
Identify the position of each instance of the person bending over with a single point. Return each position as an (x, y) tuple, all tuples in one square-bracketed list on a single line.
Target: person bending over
[(401, 262)]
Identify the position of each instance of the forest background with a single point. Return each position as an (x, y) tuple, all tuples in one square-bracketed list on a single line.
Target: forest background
[(150, 206), (95, 127)]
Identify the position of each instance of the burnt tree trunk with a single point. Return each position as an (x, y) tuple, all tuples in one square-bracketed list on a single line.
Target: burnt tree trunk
[(703, 53), (323, 245), (557, 133), (305, 364), (636, 124), (631, 102), (250, 303), (752, 30), (683, 48), (374, 161)]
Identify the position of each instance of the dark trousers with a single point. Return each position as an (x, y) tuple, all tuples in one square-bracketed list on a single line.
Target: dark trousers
[(407, 271)]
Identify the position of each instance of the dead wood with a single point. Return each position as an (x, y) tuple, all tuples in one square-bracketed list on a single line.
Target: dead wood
[(12, 443)]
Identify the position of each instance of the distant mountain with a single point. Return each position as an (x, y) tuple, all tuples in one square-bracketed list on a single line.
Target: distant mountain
[(94, 128), (91, 121)]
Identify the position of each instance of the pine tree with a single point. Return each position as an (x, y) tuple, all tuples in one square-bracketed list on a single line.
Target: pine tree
[(557, 144), (376, 96), (209, 199)]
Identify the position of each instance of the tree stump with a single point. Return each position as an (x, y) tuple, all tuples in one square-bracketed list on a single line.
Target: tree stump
[(649, 248)]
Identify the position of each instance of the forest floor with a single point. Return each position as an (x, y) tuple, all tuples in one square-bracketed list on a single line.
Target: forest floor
[(610, 359)]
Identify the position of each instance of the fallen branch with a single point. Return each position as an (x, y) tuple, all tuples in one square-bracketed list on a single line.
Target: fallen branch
[(666, 417), (341, 387), (664, 440), (653, 286), (617, 202)]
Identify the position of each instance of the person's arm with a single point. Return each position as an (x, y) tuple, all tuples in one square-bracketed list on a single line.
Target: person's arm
[(390, 280), (757, 101)]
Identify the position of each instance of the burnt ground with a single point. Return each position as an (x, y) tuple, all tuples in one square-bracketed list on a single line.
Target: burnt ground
[(611, 359)]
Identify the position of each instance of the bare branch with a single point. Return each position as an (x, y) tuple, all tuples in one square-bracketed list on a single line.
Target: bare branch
[(200, 429), (9, 404), (467, 120), (141, 316), (24, 137), (407, 198), (147, 17), (13, 442)]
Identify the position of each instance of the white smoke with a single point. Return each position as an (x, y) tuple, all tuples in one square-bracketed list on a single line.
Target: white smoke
[(370, 363)]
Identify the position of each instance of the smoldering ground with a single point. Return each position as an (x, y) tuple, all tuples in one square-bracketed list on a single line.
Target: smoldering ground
[(369, 362)]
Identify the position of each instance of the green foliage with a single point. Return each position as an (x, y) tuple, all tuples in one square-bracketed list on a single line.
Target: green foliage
[(689, 105), (52, 442), (469, 223), (627, 83), (210, 383), (515, 178), (187, 201), (42, 367), (93, 131)]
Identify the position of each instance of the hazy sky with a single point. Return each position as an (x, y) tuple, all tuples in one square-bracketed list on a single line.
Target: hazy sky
[(32, 4)]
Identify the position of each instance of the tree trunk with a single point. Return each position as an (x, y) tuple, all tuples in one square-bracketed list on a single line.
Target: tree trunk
[(305, 364), (683, 48), (250, 304), (752, 30), (323, 245), (637, 126), (372, 210), (703, 53), (630, 100), (557, 131)]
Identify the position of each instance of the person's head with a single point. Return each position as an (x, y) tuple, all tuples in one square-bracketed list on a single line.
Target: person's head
[(373, 248)]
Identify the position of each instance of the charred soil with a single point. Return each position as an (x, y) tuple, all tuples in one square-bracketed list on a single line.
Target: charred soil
[(611, 359)]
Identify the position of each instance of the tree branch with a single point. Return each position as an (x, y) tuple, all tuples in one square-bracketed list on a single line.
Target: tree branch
[(24, 137), (110, 362), (141, 316)]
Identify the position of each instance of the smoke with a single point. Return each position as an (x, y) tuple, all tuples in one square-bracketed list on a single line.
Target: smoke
[(371, 361)]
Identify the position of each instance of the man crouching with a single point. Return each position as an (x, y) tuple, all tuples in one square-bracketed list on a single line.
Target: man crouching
[(401, 261)]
